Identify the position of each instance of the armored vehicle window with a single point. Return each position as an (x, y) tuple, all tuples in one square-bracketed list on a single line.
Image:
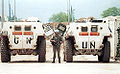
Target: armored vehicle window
[(84, 29), (94, 29), (27, 28), (17, 28)]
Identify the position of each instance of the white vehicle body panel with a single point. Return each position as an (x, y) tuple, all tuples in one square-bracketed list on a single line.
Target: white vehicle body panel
[(109, 27), (25, 39), (113, 23), (87, 42)]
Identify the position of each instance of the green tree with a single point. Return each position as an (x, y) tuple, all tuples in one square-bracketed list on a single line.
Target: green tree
[(114, 11), (60, 17)]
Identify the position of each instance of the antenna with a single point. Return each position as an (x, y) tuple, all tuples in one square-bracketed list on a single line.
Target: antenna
[(68, 12), (2, 14), (9, 10), (14, 10)]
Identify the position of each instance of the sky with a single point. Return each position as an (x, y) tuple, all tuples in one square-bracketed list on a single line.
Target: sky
[(44, 9)]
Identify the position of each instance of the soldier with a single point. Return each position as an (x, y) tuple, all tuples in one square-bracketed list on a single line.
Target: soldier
[(56, 42)]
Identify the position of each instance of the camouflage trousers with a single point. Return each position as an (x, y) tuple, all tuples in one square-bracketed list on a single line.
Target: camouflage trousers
[(56, 49)]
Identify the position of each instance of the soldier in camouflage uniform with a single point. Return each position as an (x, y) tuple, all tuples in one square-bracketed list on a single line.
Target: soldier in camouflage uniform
[(56, 42)]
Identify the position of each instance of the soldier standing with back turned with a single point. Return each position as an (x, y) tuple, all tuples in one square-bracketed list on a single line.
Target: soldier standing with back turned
[(56, 42)]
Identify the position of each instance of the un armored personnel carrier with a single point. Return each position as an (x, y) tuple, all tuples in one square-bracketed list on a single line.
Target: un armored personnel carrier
[(88, 38), (22, 38)]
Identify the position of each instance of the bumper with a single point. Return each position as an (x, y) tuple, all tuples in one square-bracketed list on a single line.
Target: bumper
[(23, 52), (88, 52)]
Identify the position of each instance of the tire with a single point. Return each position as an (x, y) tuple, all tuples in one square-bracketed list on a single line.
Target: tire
[(5, 51), (41, 49), (64, 58), (100, 58), (68, 51), (106, 52)]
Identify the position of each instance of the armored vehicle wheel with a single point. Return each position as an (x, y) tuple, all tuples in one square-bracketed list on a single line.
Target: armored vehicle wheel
[(64, 51), (106, 52), (64, 57), (68, 49), (100, 58), (5, 52), (42, 49)]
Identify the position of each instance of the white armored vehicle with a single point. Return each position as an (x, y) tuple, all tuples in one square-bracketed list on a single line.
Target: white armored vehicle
[(88, 38), (23, 38)]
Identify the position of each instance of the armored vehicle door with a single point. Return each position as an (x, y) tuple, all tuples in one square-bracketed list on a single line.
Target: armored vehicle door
[(62, 29), (48, 30), (95, 40), (16, 37), (28, 37), (89, 37), (82, 37)]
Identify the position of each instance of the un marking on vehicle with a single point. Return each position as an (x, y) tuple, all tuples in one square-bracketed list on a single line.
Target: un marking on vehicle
[(16, 40), (85, 45), (28, 40)]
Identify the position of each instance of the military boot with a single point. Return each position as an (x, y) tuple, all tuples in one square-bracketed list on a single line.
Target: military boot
[(53, 61)]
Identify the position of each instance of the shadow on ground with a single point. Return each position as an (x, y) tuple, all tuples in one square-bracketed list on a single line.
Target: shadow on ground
[(63, 62), (93, 62), (29, 62)]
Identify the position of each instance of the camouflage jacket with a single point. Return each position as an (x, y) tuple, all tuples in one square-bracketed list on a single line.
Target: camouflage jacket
[(57, 39)]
